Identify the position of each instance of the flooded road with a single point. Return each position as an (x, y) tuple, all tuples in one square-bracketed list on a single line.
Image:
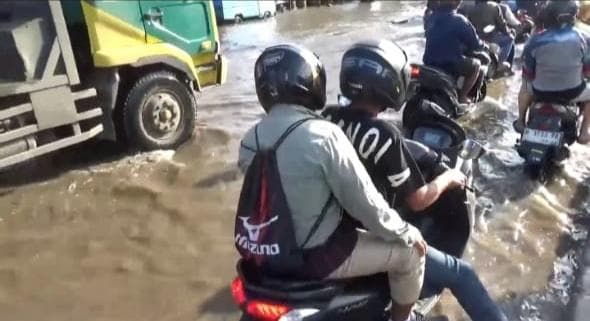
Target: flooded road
[(149, 237)]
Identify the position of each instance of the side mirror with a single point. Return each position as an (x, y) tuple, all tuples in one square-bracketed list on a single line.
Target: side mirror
[(343, 101), (489, 29), (472, 150)]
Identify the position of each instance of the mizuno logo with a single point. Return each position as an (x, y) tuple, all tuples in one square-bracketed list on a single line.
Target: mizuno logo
[(254, 230)]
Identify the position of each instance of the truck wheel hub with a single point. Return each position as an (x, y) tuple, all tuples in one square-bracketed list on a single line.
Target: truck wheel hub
[(165, 112)]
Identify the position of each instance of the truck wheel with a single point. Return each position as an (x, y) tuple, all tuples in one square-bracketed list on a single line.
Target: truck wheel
[(159, 112), (238, 19)]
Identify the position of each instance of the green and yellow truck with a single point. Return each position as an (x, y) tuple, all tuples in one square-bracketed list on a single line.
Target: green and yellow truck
[(125, 70)]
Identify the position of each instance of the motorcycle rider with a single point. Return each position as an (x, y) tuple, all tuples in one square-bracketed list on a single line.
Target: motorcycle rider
[(533, 8), (485, 13), (316, 160), (508, 15), (556, 64), (522, 29), (450, 37), (375, 76)]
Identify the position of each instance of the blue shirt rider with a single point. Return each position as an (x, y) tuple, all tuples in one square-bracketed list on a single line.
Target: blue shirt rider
[(556, 64), (450, 37)]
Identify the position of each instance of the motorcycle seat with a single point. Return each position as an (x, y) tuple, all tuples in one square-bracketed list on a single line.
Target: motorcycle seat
[(438, 73), (552, 100), (290, 289)]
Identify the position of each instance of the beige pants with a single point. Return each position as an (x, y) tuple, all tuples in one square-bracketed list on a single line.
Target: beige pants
[(372, 255)]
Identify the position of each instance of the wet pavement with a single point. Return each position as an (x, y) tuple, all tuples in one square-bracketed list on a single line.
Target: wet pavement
[(580, 305), (94, 234)]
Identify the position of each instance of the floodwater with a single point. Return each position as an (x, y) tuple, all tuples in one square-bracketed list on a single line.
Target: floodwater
[(93, 234)]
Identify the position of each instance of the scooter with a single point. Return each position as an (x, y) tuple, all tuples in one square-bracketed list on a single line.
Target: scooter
[(551, 127), (434, 85), (448, 227), (496, 69)]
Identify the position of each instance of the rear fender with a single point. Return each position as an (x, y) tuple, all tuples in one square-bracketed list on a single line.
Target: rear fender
[(538, 154)]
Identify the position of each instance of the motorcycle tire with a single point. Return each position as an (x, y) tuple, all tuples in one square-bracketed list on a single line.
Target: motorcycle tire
[(483, 92), (537, 172)]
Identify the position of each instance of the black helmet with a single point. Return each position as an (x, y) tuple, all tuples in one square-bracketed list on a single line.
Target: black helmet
[(287, 74), (447, 4), (376, 70), (557, 13)]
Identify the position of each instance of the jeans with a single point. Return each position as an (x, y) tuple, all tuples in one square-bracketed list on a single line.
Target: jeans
[(446, 271), (506, 44)]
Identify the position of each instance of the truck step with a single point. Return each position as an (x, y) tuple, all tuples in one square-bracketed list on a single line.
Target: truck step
[(56, 145), (83, 94), (16, 110), (90, 114), (18, 133)]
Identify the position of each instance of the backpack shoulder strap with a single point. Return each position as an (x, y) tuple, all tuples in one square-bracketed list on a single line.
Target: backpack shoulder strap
[(256, 137), (319, 220), (289, 130)]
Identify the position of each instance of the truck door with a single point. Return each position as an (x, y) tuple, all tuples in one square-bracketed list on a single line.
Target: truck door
[(184, 23)]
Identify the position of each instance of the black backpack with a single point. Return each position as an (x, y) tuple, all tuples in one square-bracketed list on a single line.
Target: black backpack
[(264, 232)]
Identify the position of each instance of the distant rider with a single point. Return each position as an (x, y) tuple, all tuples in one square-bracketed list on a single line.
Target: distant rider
[(533, 9), (450, 38), (488, 13), (522, 29), (316, 161), (508, 15), (392, 168), (556, 64)]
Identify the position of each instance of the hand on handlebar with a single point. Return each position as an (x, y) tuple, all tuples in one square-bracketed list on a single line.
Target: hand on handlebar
[(456, 179), (512, 33)]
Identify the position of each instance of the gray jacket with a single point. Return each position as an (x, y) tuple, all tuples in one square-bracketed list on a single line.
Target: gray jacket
[(315, 160)]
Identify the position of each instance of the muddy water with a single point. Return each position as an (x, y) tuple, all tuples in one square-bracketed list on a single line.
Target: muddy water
[(91, 234)]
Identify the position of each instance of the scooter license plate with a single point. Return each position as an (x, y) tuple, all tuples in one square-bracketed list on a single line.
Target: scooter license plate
[(542, 137)]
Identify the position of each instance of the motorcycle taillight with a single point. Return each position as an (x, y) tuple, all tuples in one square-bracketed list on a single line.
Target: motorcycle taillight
[(237, 291), (266, 311), (257, 309), (547, 109), (415, 71)]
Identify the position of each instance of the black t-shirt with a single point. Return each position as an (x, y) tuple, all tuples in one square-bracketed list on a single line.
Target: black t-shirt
[(381, 148)]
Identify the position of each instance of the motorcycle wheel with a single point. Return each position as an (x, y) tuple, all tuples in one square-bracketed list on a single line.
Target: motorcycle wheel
[(492, 68), (537, 172), (483, 92)]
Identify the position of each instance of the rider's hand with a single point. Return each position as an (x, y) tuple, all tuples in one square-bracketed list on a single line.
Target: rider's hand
[(416, 240), (455, 178), (421, 247), (512, 33)]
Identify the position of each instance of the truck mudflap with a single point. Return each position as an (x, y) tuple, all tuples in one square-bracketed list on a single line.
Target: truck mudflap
[(221, 69)]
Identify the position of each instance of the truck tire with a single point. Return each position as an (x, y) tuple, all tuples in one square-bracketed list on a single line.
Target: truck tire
[(159, 112)]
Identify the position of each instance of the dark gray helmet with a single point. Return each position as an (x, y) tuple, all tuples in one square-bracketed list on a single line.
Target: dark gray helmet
[(376, 70), (557, 13), (288, 74)]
